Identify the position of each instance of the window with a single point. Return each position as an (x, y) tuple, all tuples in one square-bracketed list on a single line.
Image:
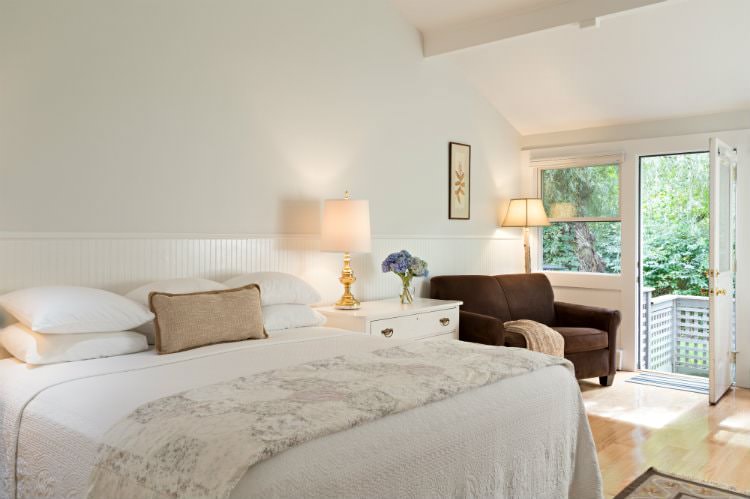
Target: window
[(583, 205)]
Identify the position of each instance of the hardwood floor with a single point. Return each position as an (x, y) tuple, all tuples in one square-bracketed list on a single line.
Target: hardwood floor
[(637, 426)]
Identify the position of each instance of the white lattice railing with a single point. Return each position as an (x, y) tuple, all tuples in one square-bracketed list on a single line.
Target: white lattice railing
[(674, 333)]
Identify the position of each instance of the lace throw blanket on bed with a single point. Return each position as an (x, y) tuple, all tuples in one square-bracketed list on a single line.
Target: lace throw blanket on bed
[(201, 442), (539, 338)]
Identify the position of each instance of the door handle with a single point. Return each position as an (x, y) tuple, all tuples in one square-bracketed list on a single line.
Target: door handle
[(717, 292), (387, 332)]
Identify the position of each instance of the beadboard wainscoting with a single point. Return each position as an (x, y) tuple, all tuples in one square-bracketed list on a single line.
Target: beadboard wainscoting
[(120, 262)]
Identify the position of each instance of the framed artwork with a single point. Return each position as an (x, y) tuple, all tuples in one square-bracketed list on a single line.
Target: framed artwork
[(459, 181)]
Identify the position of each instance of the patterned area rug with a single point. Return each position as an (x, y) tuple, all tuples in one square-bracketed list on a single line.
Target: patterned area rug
[(657, 485)]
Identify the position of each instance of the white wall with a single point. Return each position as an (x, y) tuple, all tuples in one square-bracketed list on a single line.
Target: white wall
[(187, 116), (621, 291)]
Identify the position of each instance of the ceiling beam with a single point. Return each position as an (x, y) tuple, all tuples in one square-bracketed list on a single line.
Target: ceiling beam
[(492, 29)]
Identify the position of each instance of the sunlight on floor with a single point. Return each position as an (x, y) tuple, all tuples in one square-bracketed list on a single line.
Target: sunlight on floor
[(650, 417), (737, 422), (638, 426), (640, 405)]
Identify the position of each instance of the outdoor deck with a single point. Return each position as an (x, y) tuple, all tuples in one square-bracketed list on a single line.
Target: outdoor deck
[(674, 333)]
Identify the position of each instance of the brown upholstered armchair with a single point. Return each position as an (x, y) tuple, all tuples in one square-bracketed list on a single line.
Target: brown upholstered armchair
[(590, 333)]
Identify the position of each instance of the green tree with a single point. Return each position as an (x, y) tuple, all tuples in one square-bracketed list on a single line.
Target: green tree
[(675, 218), (582, 192)]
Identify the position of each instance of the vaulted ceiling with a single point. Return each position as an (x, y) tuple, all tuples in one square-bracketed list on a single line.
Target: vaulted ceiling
[(666, 60)]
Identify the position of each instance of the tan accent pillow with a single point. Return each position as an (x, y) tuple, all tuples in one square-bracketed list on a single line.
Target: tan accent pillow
[(191, 320)]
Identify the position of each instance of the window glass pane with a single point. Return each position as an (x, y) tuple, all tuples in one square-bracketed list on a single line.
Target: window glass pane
[(591, 191), (582, 247)]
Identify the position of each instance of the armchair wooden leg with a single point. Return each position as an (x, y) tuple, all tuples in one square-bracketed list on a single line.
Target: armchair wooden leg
[(607, 380)]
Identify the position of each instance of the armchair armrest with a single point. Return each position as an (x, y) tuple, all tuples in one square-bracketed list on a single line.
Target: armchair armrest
[(479, 328), (604, 319), (573, 315)]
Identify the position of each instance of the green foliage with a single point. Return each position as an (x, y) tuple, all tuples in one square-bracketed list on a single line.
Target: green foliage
[(608, 238), (581, 192), (559, 245), (592, 191), (675, 218)]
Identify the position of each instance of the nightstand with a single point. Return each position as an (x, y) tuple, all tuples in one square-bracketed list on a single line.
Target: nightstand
[(424, 319)]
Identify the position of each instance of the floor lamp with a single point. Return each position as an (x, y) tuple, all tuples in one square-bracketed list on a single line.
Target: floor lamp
[(525, 213)]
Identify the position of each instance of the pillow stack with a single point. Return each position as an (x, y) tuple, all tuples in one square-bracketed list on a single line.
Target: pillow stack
[(69, 323), (285, 299)]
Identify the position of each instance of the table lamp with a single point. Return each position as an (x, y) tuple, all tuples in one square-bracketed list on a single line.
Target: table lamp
[(346, 229), (526, 212)]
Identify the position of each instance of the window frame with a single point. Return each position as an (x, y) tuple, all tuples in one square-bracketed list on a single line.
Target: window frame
[(540, 165)]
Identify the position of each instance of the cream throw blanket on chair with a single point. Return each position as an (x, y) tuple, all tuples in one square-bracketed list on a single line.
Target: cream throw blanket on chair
[(539, 338)]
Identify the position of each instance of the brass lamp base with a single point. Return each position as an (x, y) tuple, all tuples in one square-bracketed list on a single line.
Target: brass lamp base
[(347, 300)]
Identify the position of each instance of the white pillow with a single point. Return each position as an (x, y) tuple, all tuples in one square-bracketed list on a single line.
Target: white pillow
[(36, 348), (277, 288), (72, 309), (286, 316), (179, 285)]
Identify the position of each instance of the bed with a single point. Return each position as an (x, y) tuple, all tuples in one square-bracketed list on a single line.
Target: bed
[(524, 437)]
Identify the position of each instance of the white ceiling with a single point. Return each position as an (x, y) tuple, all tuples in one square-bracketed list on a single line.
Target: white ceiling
[(679, 58), (434, 14)]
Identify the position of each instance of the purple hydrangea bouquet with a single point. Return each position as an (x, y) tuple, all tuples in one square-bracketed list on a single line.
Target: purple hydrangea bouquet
[(406, 266)]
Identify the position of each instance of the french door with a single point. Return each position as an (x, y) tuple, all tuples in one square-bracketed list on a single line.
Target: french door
[(722, 266)]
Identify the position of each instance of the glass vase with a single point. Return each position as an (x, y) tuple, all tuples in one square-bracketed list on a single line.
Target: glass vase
[(407, 291)]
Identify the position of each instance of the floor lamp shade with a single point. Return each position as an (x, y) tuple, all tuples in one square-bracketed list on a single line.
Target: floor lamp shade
[(526, 212), (346, 226)]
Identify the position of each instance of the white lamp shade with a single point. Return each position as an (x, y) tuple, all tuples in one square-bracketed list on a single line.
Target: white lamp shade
[(526, 212), (346, 226)]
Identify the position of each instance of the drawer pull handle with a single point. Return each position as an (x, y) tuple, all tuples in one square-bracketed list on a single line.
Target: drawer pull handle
[(387, 332), (445, 321)]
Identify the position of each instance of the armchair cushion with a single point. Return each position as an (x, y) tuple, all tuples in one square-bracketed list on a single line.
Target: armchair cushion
[(583, 339), (529, 296), (481, 294), (577, 339)]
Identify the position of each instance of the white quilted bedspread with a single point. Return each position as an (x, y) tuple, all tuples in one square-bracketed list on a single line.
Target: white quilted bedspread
[(525, 437)]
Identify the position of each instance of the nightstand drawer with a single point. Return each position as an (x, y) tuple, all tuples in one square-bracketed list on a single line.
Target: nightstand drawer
[(423, 319), (439, 322), (397, 327)]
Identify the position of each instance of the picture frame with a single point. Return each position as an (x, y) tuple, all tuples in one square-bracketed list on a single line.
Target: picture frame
[(459, 181)]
